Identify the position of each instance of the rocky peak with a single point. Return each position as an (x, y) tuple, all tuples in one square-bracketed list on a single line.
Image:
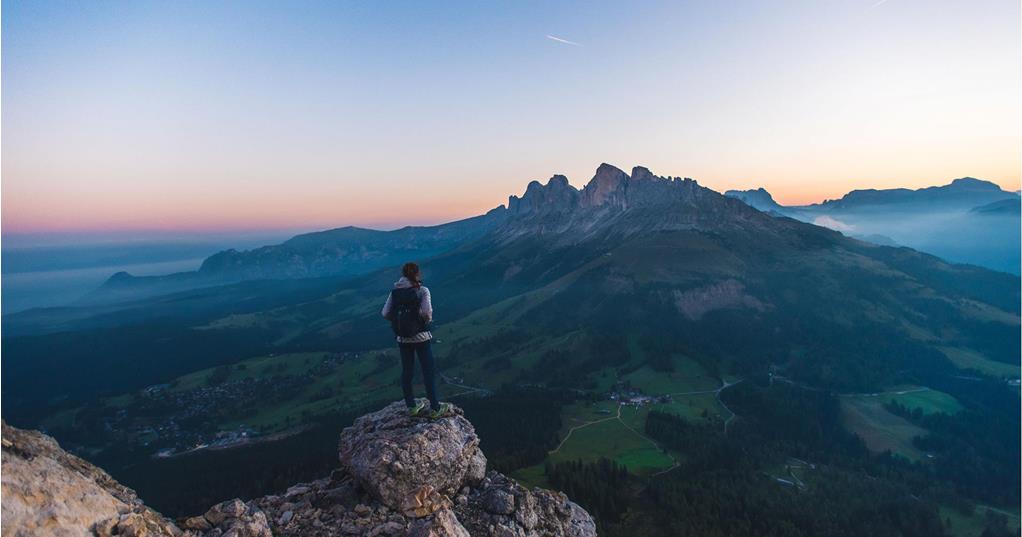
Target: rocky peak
[(608, 184), (614, 203), (642, 173), (416, 466), (398, 476), (556, 195)]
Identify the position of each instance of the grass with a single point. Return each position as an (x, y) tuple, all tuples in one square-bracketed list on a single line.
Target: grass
[(691, 407), (928, 401), (592, 430), (880, 429), (974, 524), (353, 382), (688, 376), (532, 476), (970, 359), (613, 440), (479, 373)]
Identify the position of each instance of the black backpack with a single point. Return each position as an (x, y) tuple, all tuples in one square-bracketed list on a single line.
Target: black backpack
[(404, 312)]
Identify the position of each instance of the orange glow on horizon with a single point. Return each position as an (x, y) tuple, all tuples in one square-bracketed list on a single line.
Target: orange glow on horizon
[(95, 212)]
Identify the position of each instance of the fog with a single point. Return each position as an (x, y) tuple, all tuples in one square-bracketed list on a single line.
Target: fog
[(987, 240), (46, 270)]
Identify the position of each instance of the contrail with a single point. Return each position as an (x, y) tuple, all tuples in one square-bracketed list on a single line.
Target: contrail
[(565, 41), (880, 3)]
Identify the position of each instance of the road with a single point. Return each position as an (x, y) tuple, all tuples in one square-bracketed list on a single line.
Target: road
[(447, 380), (586, 424), (786, 380)]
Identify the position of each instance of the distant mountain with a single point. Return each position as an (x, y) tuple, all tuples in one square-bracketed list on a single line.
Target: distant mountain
[(654, 260), (954, 221), (877, 239), (1005, 207), (344, 251), (758, 198), (963, 194), (634, 280)]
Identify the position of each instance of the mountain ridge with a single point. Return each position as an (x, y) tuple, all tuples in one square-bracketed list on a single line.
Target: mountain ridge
[(353, 250), (344, 251), (968, 220)]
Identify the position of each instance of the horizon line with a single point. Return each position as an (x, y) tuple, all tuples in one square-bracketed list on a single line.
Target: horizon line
[(151, 233)]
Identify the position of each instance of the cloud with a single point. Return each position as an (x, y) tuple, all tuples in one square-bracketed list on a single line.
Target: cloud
[(834, 224), (565, 41)]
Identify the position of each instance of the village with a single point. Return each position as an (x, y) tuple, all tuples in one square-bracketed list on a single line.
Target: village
[(628, 396), (176, 422)]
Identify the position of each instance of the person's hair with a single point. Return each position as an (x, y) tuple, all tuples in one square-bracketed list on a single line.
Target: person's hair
[(411, 271)]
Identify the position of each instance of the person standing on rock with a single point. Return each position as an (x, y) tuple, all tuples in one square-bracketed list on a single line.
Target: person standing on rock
[(410, 312)]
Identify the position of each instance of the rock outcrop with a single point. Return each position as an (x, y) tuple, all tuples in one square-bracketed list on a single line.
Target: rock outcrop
[(47, 491), (394, 456), (615, 204), (399, 476)]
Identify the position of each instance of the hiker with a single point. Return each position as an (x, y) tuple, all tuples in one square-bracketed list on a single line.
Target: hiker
[(410, 313)]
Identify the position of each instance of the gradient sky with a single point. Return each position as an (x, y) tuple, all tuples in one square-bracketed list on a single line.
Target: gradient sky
[(247, 115)]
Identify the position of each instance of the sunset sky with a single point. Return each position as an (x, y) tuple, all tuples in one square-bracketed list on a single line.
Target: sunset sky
[(262, 115)]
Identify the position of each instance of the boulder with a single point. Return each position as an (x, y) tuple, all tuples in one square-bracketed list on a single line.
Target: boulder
[(235, 518), (393, 455), (499, 506)]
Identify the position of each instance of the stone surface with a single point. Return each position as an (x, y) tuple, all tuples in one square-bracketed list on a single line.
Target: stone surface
[(393, 455), (442, 524), (499, 506), (424, 502), (47, 491)]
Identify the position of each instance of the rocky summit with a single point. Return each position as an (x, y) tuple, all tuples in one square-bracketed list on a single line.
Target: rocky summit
[(398, 476)]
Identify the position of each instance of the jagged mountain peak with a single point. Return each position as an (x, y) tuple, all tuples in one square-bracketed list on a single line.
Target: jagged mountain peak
[(608, 182), (642, 173), (609, 186), (620, 204)]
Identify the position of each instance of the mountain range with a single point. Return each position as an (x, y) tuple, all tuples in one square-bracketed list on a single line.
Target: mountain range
[(350, 251), (966, 221), (663, 257), (336, 252), (633, 286)]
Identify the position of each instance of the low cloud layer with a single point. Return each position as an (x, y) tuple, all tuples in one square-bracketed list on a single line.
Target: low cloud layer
[(834, 224)]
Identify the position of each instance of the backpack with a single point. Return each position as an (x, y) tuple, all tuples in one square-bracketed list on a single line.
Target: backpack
[(404, 313)]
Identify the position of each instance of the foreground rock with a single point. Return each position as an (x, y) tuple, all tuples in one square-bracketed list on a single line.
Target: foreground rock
[(394, 456), (47, 491), (399, 477)]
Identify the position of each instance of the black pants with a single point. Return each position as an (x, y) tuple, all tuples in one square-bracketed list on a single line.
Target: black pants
[(425, 352)]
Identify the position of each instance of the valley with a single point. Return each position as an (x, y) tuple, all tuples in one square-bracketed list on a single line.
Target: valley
[(644, 343)]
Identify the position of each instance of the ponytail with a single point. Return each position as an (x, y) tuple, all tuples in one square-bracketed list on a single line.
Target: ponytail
[(411, 272)]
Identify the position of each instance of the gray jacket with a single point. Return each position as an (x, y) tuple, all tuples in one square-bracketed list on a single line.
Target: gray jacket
[(425, 309)]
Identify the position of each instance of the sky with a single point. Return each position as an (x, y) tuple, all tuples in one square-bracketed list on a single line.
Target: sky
[(229, 116)]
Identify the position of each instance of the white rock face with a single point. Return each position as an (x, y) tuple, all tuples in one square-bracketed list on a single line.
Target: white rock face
[(47, 491)]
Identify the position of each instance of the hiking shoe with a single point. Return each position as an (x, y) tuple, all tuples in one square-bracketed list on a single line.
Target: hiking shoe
[(439, 411), (417, 409)]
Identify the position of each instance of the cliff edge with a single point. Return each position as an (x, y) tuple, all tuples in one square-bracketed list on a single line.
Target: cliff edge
[(398, 476)]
